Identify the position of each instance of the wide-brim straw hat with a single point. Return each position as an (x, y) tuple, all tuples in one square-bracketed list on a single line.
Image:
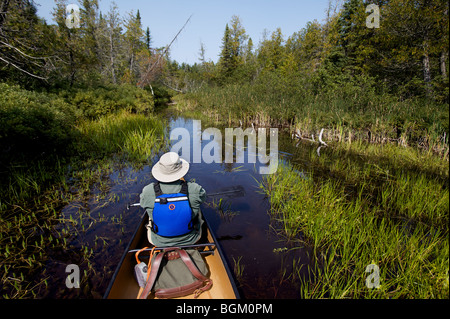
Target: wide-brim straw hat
[(170, 168)]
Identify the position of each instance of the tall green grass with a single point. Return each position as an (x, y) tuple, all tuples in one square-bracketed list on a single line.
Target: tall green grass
[(137, 137), (356, 213)]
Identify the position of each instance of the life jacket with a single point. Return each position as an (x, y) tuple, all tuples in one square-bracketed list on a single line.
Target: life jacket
[(172, 213)]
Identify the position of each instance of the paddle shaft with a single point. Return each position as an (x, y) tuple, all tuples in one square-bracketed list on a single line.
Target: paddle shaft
[(182, 247), (225, 193), (240, 189)]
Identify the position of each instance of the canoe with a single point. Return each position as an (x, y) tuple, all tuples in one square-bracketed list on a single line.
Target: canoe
[(123, 285)]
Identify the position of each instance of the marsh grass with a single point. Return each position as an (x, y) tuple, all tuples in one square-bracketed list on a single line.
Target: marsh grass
[(349, 114), (136, 137), (362, 205), (46, 216)]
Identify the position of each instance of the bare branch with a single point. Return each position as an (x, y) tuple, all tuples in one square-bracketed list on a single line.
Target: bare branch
[(22, 70), (177, 90), (23, 53), (152, 66), (320, 138)]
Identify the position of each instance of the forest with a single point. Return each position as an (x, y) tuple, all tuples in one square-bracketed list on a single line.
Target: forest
[(71, 97)]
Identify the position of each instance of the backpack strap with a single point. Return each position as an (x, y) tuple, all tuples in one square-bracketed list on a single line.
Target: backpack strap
[(184, 187), (158, 191), (152, 276), (192, 267)]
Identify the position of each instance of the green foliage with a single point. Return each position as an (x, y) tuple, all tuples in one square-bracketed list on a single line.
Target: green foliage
[(100, 101), (161, 95), (32, 124), (234, 49), (41, 130), (406, 57), (353, 104)]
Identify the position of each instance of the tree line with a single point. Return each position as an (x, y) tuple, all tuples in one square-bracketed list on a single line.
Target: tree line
[(106, 48), (406, 56)]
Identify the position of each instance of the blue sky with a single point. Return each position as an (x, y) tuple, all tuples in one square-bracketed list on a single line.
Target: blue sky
[(209, 17)]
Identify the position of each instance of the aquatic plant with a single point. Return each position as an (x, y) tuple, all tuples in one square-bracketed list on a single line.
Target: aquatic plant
[(354, 213)]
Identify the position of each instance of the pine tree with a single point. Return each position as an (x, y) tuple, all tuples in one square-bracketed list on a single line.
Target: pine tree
[(111, 33), (412, 42), (148, 39), (307, 47), (238, 38), (67, 46), (202, 53), (272, 52), (89, 20), (226, 55), (133, 43), (234, 44), (355, 38)]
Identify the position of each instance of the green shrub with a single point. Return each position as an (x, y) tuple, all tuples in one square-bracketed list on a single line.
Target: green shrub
[(161, 96), (94, 103), (32, 124)]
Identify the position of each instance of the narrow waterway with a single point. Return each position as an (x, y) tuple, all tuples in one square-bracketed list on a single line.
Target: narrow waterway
[(263, 260)]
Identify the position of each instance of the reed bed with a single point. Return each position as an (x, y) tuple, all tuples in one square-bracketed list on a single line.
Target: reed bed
[(348, 114), (353, 211)]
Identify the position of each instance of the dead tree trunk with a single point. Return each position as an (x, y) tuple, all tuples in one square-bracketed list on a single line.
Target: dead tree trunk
[(427, 70), (442, 61)]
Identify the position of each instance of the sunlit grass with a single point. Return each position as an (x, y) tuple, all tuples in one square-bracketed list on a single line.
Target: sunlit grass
[(354, 213), (135, 136)]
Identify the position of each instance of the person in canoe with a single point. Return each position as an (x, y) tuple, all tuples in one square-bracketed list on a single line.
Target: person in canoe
[(173, 204)]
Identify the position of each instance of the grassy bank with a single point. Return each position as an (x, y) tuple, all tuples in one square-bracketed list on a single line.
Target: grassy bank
[(348, 111), (58, 149), (363, 205)]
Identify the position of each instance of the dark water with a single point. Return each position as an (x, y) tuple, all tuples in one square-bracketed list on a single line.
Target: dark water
[(242, 224), (245, 232)]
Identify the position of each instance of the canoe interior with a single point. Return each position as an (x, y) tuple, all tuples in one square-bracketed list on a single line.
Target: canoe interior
[(124, 286)]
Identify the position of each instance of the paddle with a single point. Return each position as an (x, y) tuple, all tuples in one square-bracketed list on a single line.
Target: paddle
[(229, 192), (208, 245)]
